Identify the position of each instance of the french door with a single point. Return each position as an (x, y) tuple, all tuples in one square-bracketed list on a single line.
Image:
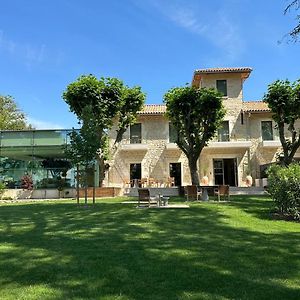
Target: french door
[(225, 171)]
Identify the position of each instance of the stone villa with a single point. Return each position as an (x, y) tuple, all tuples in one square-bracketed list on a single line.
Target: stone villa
[(246, 142)]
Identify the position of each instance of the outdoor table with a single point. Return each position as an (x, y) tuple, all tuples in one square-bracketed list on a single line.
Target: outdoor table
[(162, 201)]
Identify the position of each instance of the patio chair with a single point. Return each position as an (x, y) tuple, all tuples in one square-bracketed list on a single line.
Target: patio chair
[(193, 192), (222, 190), (145, 199)]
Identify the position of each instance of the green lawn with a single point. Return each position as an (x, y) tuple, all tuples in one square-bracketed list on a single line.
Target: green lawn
[(56, 250)]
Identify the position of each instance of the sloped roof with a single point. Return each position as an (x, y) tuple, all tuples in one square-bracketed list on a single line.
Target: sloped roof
[(224, 70), (247, 106), (153, 109), (255, 106)]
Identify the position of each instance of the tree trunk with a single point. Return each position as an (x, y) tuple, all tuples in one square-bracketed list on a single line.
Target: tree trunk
[(94, 184), (194, 171), (101, 170), (77, 184), (85, 184)]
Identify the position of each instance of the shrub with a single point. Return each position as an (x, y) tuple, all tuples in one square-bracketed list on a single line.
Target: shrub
[(284, 187), (26, 182), (7, 198), (2, 186)]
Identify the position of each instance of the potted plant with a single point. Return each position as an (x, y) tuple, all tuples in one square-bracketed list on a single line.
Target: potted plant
[(205, 179), (249, 179)]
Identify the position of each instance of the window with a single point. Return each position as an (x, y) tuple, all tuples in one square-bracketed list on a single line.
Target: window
[(223, 132), (173, 133), (267, 131), (136, 133), (222, 87)]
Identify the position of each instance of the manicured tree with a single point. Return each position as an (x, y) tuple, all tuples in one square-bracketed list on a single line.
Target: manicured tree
[(111, 101), (85, 145), (196, 114), (283, 98), (11, 117)]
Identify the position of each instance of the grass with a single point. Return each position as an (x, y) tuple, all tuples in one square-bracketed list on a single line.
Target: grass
[(56, 250)]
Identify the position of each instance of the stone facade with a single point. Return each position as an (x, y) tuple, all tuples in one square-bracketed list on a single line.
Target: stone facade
[(230, 161)]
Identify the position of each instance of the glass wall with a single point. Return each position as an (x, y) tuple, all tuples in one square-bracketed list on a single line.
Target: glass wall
[(38, 154)]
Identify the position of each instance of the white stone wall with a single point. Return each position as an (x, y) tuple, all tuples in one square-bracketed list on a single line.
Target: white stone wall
[(234, 84), (155, 160)]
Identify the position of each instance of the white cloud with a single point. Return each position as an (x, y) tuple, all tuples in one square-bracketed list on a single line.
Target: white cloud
[(31, 54), (6, 44), (39, 124), (217, 30)]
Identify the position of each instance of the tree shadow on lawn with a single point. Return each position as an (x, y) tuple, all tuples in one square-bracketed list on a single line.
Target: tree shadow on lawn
[(258, 206), (116, 251)]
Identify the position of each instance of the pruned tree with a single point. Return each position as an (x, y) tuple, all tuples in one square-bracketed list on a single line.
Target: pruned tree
[(111, 101), (85, 146), (283, 98), (294, 33), (196, 114), (11, 117)]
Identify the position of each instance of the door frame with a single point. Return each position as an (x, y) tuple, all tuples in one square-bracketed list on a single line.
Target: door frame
[(235, 165)]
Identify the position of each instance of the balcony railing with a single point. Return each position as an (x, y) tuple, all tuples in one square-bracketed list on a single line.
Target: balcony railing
[(27, 138), (133, 144), (271, 144)]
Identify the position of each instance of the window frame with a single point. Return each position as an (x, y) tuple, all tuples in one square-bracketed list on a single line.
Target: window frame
[(175, 135), (135, 139), (226, 87), (262, 132), (219, 134)]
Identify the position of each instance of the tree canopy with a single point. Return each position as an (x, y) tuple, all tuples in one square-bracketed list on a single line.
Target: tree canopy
[(283, 98), (110, 99), (98, 104), (196, 114), (295, 32), (84, 143), (11, 117)]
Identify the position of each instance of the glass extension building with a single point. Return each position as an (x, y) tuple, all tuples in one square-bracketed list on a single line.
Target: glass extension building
[(25, 152)]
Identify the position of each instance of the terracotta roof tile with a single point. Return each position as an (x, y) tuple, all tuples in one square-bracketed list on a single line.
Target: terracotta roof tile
[(248, 106), (153, 109), (224, 70), (255, 106)]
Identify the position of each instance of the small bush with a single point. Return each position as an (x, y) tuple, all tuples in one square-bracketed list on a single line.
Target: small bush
[(284, 187), (7, 198), (2, 186), (26, 182)]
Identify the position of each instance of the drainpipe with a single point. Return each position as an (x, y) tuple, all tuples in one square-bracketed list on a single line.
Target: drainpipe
[(248, 138)]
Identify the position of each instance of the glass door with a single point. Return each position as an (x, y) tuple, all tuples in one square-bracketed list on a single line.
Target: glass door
[(219, 171), (225, 171)]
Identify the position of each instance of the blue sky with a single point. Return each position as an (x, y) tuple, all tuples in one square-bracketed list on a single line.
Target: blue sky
[(157, 44)]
